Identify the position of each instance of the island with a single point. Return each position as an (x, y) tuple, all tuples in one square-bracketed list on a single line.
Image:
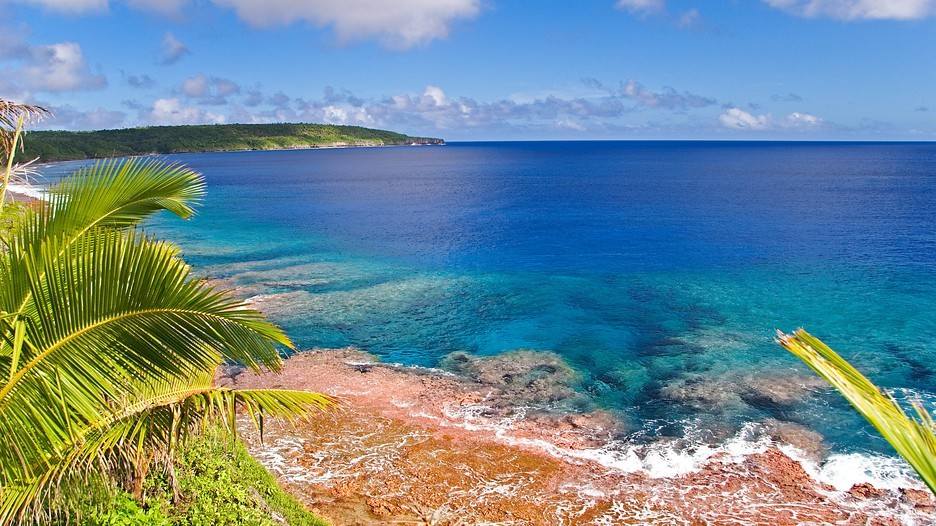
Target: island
[(52, 146)]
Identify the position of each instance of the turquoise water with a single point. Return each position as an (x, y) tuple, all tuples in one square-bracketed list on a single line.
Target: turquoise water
[(659, 270)]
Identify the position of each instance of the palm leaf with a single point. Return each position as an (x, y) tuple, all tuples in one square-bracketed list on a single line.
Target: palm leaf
[(163, 415), (12, 118), (913, 438), (98, 341), (107, 342)]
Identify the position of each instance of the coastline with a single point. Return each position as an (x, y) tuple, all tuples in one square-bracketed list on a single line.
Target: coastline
[(411, 444), (319, 146)]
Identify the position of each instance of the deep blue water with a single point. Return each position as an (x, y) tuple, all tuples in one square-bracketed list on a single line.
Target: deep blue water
[(659, 270)]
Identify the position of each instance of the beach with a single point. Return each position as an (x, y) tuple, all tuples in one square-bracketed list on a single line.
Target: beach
[(422, 446)]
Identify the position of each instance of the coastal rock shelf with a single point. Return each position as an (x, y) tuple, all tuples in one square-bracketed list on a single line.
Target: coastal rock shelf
[(423, 446)]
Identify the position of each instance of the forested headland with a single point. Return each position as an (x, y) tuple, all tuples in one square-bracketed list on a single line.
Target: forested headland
[(50, 146)]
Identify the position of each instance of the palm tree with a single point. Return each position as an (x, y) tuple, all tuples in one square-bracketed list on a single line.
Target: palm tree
[(108, 344), (12, 119), (913, 438)]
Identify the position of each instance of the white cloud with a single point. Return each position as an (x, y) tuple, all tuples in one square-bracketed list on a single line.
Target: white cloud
[(642, 7), (195, 86), (739, 119), (209, 90), (858, 9), (172, 111), (398, 24), (433, 110), (224, 87), (668, 98), (802, 120), (172, 50), (59, 67)]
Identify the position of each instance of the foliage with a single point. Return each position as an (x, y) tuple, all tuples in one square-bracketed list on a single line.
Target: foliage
[(12, 118), (63, 145), (108, 345), (220, 483), (12, 214), (913, 438)]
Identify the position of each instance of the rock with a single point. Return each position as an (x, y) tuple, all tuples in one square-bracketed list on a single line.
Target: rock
[(866, 491)]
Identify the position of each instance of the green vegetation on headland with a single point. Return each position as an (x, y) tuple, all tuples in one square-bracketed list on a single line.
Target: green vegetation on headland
[(219, 484), (51, 146)]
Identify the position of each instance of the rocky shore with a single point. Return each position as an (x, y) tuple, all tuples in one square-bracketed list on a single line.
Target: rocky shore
[(417, 446)]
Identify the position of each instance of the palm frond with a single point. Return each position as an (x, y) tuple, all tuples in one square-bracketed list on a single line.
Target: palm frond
[(107, 342), (118, 313), (108, 194), (913, 438), (12, 118), (164, 415), (10, 113)]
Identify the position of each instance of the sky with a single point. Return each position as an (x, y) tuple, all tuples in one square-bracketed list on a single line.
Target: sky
[(484, 69)]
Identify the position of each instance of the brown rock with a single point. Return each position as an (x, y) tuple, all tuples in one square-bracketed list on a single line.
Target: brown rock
[(919, 499), (865, 491)]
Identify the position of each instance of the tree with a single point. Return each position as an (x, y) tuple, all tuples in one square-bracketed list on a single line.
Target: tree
[(913, 438), (109, 344), (12, 118)]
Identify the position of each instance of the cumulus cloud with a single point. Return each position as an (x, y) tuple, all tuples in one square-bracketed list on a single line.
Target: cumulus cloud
[(642, 7), (738, 119), (802, 120), (172, 50), (435, 110), (169, 111), (668, 98), (59, 67), (431, 110), (209, 90), (858, 9), (399, 24)]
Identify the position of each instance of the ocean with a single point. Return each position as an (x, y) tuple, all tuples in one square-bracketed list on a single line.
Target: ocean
[(659, 271)]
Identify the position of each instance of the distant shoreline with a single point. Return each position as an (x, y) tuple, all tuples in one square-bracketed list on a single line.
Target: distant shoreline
[(61, 146)]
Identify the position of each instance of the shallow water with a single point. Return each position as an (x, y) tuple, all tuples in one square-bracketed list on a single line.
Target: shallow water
[(658, 270)]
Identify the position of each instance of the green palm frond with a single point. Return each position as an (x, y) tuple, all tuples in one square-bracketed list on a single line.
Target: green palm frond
[(913, 438), (12, 118), (108, 343), (164, 415)]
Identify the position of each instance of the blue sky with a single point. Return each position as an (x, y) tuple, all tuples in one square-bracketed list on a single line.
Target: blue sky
[(484, 69)]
